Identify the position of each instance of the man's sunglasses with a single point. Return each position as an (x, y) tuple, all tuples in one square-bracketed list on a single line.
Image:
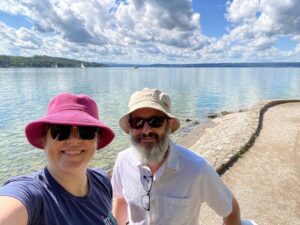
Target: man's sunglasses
[(62, 132), (154, 122)]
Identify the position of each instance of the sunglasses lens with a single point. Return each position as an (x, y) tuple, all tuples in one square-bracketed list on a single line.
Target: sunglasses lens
[(156, 121), (60, 132), (136, 123), (87, 133)]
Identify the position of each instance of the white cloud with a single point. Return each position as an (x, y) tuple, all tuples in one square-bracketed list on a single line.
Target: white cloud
[(149, 25), (284, 15), (275, 17), (27, 39), (149, 31), (241, 10), (21, 38), (256, 25)]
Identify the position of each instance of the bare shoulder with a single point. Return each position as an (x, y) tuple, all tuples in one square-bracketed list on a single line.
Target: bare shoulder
[(12, 211)]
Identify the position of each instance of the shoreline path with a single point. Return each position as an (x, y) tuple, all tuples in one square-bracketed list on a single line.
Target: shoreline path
[(258, 154)]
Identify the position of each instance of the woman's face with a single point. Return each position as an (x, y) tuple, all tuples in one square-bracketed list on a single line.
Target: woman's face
[(70, 154)]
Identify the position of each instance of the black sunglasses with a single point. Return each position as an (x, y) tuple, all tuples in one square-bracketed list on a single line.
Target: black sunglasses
[(154, 122), (147, 187), (62, 132)]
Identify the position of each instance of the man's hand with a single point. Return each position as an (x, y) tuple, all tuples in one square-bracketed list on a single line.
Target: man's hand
[(234, 217), (120, 210)]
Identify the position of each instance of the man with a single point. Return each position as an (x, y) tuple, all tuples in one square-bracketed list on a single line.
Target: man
[(158, 182)]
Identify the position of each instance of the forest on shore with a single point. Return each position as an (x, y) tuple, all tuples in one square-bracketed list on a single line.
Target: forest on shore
[(44, 61)]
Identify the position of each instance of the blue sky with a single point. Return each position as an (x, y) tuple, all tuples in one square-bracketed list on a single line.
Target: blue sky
[(15, 21), (212, 12), (153, 31)]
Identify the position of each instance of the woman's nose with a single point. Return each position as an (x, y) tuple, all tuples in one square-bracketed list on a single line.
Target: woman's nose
[(74, 135)]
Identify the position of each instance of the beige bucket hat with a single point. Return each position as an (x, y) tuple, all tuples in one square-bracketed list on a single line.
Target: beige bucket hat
[(149, 98)]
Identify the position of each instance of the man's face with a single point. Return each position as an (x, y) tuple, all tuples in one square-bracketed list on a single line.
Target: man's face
[(151, 142)]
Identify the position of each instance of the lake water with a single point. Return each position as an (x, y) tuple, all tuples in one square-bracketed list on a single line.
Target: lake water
[(195, 93)]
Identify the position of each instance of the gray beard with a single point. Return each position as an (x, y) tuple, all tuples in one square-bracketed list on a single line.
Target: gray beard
[(152, 153)]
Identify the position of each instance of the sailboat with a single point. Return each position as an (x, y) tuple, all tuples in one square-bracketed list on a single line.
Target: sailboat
[(82, 65)]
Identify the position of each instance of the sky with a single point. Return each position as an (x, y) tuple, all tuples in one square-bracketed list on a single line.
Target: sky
[(153, 31)]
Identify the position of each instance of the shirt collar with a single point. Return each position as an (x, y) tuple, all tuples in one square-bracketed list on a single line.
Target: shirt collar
[(134, 156), (172, 161)]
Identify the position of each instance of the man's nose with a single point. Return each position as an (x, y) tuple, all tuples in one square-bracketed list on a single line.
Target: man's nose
[(146, 129)]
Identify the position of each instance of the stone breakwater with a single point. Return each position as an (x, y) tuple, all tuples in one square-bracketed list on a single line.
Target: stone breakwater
[(233, 135)]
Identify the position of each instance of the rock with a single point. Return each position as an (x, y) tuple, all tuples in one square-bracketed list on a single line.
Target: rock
[(212, 116), (225, 113), (196, 123)]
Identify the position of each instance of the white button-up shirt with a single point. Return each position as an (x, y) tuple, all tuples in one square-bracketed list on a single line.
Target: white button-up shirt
[(181, 184)]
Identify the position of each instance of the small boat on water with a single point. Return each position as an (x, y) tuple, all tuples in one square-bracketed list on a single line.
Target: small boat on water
[(82, 65), (135, 66)]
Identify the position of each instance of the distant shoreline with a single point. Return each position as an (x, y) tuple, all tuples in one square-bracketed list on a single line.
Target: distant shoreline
[(214, 65), (44, 61)]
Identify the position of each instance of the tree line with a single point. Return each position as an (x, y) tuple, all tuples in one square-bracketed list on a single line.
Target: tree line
[(44, 61)]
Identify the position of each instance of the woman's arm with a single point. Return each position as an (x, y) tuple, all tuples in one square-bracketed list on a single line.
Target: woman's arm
[(12, 211)]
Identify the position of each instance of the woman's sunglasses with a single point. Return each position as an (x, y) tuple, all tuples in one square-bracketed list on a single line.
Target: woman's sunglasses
[(62, 132), (154, 122)]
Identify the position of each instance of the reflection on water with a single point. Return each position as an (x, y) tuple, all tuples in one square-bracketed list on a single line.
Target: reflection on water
[(195, 93)]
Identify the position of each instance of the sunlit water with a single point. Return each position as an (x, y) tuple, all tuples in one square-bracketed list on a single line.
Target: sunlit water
[(195, 93)]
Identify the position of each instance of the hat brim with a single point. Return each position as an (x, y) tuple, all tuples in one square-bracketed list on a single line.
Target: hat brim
[(124, 124), (34, 130)]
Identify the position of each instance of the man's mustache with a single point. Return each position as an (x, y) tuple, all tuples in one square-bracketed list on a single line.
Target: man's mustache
[(150, 135)]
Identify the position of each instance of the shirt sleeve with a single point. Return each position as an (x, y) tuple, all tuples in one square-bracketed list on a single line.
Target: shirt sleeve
[(27, 192), (116, 181), (214, 192), (102, 177)]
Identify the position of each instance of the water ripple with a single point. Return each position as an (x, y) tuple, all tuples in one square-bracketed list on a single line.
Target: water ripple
[(195, 93)]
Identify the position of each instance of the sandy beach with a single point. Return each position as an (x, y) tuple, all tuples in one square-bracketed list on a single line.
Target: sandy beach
[(266, 177)]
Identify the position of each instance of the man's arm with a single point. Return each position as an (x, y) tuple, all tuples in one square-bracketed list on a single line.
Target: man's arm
[(234, 217), (120, 210), (12, 211)]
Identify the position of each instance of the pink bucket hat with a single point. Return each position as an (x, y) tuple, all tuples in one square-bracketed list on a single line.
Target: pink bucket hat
[(69, 109)]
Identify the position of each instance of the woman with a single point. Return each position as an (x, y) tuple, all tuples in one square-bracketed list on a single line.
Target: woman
[(66, 191)]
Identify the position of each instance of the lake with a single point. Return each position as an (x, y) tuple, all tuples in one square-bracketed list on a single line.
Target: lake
[(195, 93)]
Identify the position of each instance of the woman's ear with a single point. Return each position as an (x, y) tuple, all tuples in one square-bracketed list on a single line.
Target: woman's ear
[(44, 136), (98, 139)]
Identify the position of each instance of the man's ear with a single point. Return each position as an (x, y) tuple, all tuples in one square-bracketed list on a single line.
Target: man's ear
[(171, 122)]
